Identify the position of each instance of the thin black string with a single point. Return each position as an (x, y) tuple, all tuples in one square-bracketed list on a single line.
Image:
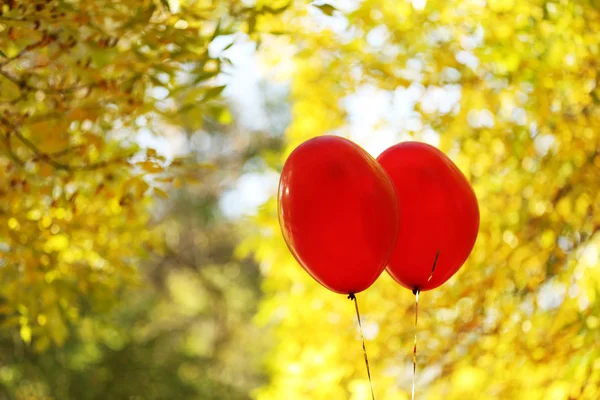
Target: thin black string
[(351, 296)]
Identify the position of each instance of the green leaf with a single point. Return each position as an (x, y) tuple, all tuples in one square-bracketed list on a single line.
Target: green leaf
[(205, 76), (213, 92), (326, 9), (228, 46), (186, 108), (2, 54), (216, 32)]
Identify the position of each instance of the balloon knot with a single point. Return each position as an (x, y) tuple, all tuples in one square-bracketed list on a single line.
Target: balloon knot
[(416, 290), (351, 296)]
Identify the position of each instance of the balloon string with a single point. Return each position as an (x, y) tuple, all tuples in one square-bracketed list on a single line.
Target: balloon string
[(352, 296), (416, 293)]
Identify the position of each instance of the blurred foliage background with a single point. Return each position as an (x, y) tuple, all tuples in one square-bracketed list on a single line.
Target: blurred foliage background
[(139, 137)]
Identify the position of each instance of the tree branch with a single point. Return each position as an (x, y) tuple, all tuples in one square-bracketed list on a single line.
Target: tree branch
[(65, 151), (48, 159), (9, 150), (23, 84), (40, 43)]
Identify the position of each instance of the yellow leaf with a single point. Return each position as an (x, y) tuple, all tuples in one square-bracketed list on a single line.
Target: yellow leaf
[(150, 166), (13, 224), (26, 333), (50, 136), (160, 193), (56, 326), (56, 243)]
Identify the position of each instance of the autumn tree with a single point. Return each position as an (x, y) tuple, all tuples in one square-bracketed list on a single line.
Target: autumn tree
[(509, 90), (78, 80), (85, 221), (185, 331)]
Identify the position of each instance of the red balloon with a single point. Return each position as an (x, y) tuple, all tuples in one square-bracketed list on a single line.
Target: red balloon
[(338, 213), (439, 214)]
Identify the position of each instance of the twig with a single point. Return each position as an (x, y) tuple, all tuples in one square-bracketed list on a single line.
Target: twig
[(23, 84), (42, 42), (11, 19), (10, 150), (47, 158), (65, 151)]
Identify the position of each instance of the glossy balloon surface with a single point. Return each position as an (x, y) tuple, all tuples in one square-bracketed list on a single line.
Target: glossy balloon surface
[(338, 213), (438, 210)]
